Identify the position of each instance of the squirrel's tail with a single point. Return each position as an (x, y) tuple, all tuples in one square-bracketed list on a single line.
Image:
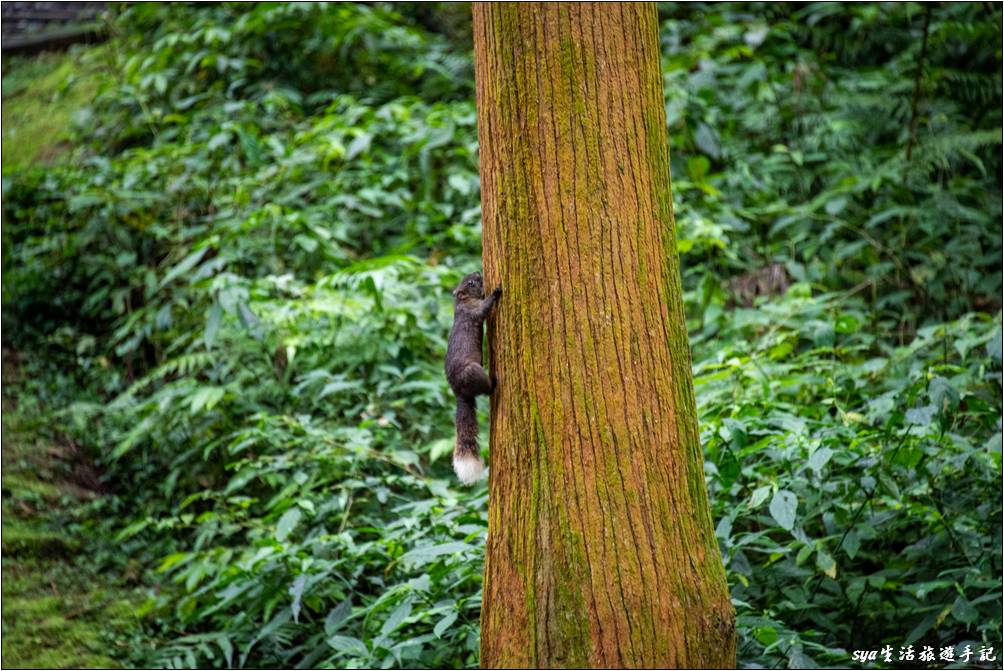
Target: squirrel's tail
[(466, 454)]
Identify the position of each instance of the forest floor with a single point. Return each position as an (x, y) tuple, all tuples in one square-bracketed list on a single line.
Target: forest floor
[(41, 96), (59, 611)]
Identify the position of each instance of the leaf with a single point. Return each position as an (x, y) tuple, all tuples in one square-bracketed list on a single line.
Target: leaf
[(358, 145), (184, 266), (852, 542), (218, 140), (755, 36), (819, 458), (995, 346), (707, 141), (460, 183), (964, 610), (205, 398), (280, 618), (308, 243), (798, 659), (240, 479), (444, 624), (251, 147), (836, 205), (881, 407), (826, 564), (396, 618), (724, 528), (213, 318), (287, 523), (943, 396), (337, 617), (922, 628), (994, 443), (782, 508), (921, 416), (84, 200), (337, 386), (348, 645), (439, 449), (133, 529), (758, 496), (371, 287), (172, 560), (249, 320), (135, 434), (424, 555), (226, 648)]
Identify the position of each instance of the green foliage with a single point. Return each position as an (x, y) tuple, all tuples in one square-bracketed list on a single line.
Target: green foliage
[(278, 59), (791, 130), (237, 292), (853, 480)]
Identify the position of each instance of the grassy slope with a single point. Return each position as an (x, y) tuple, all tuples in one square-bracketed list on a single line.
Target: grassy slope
[(40, 96), (58, 612)]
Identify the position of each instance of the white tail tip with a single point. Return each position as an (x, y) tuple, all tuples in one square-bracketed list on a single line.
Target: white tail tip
[(468, 468)]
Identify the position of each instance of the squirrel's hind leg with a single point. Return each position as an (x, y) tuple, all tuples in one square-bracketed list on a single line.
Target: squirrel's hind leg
[(473, 381)]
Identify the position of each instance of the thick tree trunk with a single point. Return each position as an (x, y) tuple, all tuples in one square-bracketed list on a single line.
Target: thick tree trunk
[(601, 550)]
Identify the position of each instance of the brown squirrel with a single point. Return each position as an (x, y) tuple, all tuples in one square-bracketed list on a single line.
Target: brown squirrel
[(465, 373)]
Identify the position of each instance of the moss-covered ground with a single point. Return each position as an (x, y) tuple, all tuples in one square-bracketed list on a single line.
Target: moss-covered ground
[(59, 609), (41, 95)]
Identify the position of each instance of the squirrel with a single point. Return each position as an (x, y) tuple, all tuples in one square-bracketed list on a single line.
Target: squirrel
[(464, 372)]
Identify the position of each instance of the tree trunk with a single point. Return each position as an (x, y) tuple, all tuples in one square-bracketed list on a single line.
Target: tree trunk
[(601, 550)]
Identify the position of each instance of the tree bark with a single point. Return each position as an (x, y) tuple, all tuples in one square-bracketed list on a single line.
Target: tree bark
[(601, 550)]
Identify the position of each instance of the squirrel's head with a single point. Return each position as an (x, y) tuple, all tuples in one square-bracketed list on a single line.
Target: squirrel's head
[(470, 287)]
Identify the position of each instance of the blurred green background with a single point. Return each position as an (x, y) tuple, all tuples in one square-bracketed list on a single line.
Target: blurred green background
[(229, 235)]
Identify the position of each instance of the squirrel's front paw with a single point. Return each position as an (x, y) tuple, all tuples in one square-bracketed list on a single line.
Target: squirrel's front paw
[(497, 293)]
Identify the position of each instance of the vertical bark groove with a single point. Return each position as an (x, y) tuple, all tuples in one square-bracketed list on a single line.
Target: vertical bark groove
[(601, 550)]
